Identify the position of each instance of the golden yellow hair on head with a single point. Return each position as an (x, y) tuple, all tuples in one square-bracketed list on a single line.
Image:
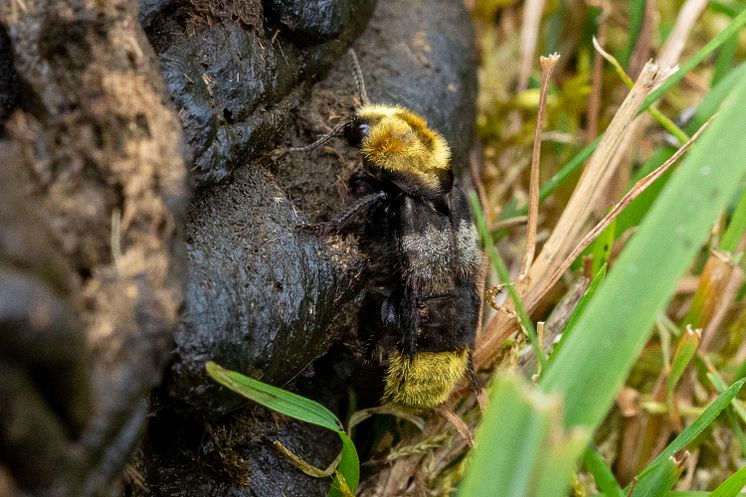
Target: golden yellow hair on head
[(400, 141), (424, 380)]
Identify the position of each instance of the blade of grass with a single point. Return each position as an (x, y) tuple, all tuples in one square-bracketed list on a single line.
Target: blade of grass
[(658, 482), (601, 247), (504, 275), (601, 472), (558, 466), (736, 227), (582, 303), (714, 98), (277, 399), (685, 350), (511, 421), (719, 383), (300, 408), (521, 447), (736, 427), (638, 208), (698, 426), (613, 329), (547, 67), (732, 486), (724, 8), (724, 60)]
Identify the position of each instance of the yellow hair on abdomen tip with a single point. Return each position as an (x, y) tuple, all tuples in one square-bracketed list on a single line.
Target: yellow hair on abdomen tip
[(424, 380)]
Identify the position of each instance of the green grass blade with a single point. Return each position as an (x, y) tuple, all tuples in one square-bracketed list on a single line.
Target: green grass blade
[(736, 227), (732, 486), (601, 247), (601, 472), (578, 311), (658, 482), (637, 18), (724, 60), (685, 350), (521, 446), (277, 399), (504, 275), (719, 383), (711, 102), (592, 366), (297, 407), (508, 444), (723, 8), (638, 209), (698, 426), (736, 427), (349, 465), (736, 407), (558, 466)]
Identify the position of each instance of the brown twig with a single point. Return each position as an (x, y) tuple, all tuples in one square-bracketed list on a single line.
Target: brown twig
[(547, 66)]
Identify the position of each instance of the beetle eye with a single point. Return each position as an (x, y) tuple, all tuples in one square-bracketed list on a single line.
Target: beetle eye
[(355, 132)]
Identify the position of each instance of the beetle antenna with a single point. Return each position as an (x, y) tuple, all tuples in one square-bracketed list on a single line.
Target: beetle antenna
[(336, 131), (358, 75)]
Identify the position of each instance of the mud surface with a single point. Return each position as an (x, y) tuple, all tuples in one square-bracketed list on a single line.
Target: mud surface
[(120, 276), (8, 78), (266, 298), (233, 69), (93, 192)]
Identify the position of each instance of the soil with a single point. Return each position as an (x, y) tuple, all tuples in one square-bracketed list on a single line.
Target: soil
[(147, 160)]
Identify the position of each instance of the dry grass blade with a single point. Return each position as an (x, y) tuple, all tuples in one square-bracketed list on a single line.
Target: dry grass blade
[(734, 283), (532, 11), (547, 66), (643, 46), (305, 466), (564, 237), (461, 427), (633, 193), (592, 183), (673, 46), (511, 222)]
